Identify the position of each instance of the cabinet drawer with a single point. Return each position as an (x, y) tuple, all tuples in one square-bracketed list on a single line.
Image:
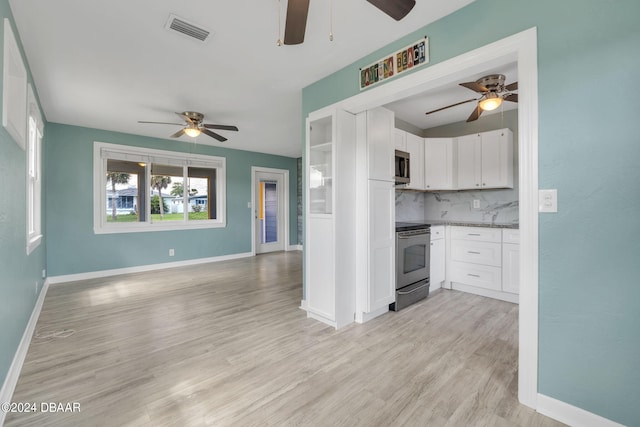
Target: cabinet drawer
[(483, 276), (481, 234), (437, 232), (477, 252), (510, 236)]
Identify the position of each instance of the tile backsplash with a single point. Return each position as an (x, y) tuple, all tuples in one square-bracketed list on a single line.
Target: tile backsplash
[(495, 206)]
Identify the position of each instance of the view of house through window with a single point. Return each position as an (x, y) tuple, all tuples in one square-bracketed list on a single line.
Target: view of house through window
[(153, 189)]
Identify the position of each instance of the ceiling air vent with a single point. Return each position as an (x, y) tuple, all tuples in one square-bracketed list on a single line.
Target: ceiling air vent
[(186, 28)]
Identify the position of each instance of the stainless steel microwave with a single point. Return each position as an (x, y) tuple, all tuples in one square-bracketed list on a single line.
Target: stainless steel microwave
[(402, 166)]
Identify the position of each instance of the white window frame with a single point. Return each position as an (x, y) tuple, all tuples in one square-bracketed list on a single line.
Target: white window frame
[(103, 151), (34, 172)]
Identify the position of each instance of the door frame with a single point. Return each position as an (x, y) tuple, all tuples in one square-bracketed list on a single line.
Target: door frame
[(285, 195), (521, 48)]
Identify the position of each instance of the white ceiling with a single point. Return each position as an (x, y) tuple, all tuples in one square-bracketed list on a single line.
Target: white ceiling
[(412, 109), (107, 64)]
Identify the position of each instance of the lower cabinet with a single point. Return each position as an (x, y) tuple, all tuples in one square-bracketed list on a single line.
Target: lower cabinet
[(485, 261), (511, 261), (437, 257)]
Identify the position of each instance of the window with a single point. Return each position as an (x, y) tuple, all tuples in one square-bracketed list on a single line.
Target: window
[(137, 189), (34, 178)]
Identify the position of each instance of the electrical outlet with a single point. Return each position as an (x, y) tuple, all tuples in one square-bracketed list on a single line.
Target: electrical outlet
[(249, 205), (476, 204), (36, 287), (548, 200), (172, 252), (44, 273)]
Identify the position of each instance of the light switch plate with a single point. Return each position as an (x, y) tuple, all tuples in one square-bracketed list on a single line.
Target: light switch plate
[(548, 200)]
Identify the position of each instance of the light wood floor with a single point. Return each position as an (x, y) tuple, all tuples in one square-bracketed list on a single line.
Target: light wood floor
[(225, 344)]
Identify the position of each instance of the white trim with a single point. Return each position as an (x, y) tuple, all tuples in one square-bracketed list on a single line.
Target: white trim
[(490, 293), (294, 248), (285, 179), (33, 243), (9, 386), (571, 415), (14, 94), (520, 48), (142, 268), (100, 224), (363, 317), (303, 305)]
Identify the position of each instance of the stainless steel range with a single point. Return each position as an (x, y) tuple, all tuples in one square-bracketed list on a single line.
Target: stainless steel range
[(413, 241)]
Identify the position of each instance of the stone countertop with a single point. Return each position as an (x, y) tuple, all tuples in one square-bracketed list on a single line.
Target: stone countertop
[(473, 224)]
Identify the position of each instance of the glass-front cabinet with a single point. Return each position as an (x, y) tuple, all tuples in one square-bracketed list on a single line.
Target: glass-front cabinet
[(320, 171)]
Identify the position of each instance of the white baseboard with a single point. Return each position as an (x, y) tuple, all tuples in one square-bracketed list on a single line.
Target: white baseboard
[(571, 415), (11, 379), (303, 304), (142, 268), (365, 317), (295, 248), (504, 296)]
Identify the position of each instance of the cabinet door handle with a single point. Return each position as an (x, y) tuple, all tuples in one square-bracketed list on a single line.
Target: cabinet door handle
[(473, 252), (473, 275), (473, 234)]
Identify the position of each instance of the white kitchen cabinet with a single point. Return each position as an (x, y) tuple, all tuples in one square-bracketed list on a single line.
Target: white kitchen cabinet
[(374, 214), (511, 261), (330, 249), (415, 148), (440, 167), (380, 151), (485, 160), (437, 257), (381, 290), (400, 139), (477, 261)]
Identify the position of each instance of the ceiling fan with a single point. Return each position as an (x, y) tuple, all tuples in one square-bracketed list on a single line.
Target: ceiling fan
[(493, 91), (297, 11), (194, 126)]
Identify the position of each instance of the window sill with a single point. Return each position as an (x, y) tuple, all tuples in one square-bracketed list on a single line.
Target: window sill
[(33, 242), (147, 227)]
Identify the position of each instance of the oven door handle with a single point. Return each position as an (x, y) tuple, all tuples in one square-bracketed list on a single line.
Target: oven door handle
[(402, 236), (412, 290)]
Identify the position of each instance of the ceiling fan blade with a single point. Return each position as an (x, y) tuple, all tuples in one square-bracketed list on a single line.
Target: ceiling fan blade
[(475, 87), (186, 118), (178, 134), (452, 105), (221, 127), (214, 135), (512, 86), (162, 123), (397, 9), (513, 97), (296, 23), (475, 114)]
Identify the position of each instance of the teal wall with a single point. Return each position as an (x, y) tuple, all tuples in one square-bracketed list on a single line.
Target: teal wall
[(589, 149), (18, 272), (74, 248)]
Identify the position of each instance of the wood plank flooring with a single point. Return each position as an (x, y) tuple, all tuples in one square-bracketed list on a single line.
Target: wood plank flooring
[(225, 344)]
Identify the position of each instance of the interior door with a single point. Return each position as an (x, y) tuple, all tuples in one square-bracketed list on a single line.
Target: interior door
[(269, 212)]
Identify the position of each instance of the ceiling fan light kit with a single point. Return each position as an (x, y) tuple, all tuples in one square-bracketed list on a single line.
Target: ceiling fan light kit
[(194, 126), (493, 91), (490, 102)]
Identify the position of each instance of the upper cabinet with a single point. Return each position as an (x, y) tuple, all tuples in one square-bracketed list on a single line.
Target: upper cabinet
[(440, 164), (380, 150), (400, 139), (485, 160)]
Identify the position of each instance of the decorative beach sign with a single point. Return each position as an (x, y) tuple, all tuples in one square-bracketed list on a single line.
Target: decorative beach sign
[(408, 58)]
